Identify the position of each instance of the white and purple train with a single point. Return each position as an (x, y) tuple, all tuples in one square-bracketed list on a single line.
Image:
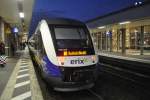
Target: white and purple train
[(64, 52)]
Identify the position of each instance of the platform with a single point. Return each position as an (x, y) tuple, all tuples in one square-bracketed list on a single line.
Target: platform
[(22, 82), (138, 58)]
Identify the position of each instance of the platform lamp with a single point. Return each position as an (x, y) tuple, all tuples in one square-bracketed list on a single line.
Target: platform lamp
[(15, 31)]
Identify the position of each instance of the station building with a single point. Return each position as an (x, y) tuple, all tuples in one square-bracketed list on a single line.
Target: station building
[(125, 32)]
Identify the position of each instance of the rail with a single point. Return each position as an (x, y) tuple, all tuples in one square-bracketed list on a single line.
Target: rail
[(129, 69)]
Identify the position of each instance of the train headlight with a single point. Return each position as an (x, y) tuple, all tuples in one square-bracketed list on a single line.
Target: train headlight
[(93, 58), (61, 60)]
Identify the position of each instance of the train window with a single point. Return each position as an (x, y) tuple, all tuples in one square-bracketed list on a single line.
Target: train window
[(66, 36), (40, 43), (69, 33), (35, 42)]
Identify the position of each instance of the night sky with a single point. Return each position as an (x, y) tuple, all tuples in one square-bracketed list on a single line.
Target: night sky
[(82, 10)]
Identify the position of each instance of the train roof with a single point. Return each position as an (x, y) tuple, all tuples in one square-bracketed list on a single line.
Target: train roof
[(64, 21)]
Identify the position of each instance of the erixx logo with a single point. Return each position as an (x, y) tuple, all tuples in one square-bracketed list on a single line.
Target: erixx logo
[(79, 61)]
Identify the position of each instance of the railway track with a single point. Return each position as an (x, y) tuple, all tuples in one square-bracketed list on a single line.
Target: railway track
[(50, 94), (127, 73)]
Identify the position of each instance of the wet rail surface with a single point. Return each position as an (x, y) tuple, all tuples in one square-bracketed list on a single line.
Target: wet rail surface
[(107, 87)]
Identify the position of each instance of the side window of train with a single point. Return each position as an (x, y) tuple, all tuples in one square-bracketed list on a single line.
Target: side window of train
[(40, 43), (35, 42), (32, 43)]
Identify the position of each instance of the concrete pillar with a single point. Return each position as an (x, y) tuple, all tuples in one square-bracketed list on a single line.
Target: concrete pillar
[(123, 32), (97, 44), (111, 33), (98, 35), (127, 39), (2, 31), (142, 40), (118, 44), (101, 40), (106, 42)]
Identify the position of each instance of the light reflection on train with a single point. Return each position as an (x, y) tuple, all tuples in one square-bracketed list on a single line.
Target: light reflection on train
[(64, 53)]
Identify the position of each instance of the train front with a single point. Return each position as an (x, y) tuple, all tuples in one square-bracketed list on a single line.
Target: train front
[(76, 69)]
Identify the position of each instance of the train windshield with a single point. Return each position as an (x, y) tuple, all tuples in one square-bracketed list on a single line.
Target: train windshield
[(72, 38)]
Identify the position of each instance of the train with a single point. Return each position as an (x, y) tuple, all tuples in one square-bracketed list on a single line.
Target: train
[(63, 51)]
